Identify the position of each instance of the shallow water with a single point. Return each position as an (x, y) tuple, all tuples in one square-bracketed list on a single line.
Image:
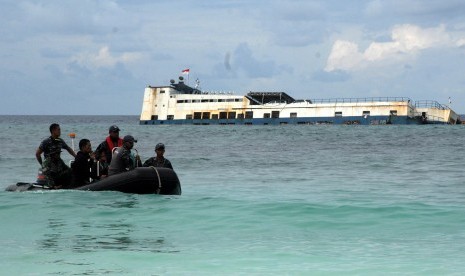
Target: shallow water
[(358, 200)]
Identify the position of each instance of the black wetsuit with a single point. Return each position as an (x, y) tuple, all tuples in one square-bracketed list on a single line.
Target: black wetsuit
[(81, 169)]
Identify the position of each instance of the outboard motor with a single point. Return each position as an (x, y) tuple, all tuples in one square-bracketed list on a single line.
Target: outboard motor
[(41, 178), (40, 184)]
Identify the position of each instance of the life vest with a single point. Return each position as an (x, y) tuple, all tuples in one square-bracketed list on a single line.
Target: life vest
[(111, 145)]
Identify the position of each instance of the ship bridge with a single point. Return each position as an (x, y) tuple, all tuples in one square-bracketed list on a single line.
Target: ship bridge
[(182, 88), (257, 98)]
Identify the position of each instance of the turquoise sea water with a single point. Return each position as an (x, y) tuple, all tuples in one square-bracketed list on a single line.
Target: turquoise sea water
[(257, 200)]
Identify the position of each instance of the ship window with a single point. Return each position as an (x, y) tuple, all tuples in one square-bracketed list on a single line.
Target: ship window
[(180, 101), (215, 116), (266, 115), (211, 100), (204, 101), (338, 114), (197, 115), (249, 114), (223, 115), (188, 101), (154, 117), (232, 115), (238, 100), (230, 100), (170, 117), (215, 100), (274, 114), (393, 112), (206, 115), (162, 91), (293, 115), (189, 117), (220, 100), (366, 113), (240, 116), (196, 101)]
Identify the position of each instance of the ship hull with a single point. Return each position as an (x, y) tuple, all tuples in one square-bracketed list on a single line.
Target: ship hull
[(355, 120)]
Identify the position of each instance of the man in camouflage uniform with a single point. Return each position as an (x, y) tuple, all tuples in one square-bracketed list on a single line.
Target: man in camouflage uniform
[(55, 170), (123, 160), (159, 160), (53, 141)]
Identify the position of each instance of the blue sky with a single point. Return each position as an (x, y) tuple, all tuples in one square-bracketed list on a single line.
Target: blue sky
[(96, 57)]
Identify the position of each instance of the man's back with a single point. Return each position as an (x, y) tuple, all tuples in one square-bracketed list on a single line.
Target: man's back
[(121, 161)]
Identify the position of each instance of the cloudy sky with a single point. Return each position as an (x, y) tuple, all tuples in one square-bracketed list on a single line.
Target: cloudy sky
[(96, 57)]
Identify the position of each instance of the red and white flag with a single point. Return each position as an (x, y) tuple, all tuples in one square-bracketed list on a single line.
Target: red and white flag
[(185, 71)]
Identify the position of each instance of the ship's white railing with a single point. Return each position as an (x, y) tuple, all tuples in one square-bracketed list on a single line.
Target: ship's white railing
[(218, 93), (361, 100), (430, 104)]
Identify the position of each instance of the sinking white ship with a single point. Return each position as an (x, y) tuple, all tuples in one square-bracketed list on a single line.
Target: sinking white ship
[(179, 103)]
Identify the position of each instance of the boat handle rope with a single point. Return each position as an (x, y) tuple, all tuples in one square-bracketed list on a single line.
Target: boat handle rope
[(159, 180)]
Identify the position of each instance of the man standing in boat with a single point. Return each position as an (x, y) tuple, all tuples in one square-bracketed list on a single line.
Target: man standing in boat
[(53, 141), (123, 160), (111, 142), (58, 175)]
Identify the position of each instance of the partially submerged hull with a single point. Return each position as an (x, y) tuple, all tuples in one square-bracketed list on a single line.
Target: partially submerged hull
[(149, 180), (179, 103), (373, 120)]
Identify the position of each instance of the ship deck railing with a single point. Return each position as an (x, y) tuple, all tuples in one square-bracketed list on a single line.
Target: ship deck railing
[(361, 100), (430, 104)]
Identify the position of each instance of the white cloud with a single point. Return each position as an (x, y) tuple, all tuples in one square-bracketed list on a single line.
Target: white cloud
[(407, 41), (461, 42), (412, 37), (104, 58), (344, 56)]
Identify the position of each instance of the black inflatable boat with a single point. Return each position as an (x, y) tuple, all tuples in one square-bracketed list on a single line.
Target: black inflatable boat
[(145, 180)]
